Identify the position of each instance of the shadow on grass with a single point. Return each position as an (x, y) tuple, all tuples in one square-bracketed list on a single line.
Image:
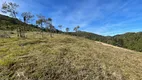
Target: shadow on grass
[(32, 42)]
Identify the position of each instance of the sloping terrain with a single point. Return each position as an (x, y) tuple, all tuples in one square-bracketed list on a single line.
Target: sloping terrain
[(66, 57), (89, 35), (132, 40), (8, 23)]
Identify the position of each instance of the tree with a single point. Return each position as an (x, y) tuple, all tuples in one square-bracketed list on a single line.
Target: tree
[(76, 28), (51, 27), (10, 8), (60, 26), (67, 29), (49, 21), (41, 20), (27, 16)]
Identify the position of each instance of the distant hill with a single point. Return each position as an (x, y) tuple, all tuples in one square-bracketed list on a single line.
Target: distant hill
[(88, 35), (131, 41), (8, 23)]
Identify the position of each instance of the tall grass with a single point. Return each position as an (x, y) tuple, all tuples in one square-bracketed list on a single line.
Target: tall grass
[(65, 57)]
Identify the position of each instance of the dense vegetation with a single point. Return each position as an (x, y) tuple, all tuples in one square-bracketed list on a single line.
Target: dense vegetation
[(129, 40)]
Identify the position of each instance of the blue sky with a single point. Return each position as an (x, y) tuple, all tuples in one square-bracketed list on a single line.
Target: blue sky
[(104, 17)]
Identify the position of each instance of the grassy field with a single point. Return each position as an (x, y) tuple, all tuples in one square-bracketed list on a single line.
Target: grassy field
[(65, 57)]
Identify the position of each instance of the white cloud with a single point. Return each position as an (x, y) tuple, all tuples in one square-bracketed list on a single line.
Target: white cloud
[(82, 15), (89, 11), (114, 28)]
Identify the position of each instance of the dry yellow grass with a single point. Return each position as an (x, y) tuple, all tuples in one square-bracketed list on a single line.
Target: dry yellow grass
[(66, 57)]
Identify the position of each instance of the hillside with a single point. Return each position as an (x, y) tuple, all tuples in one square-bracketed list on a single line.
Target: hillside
[(65, 57), (8, 23), (131, 40), (89, 35)]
